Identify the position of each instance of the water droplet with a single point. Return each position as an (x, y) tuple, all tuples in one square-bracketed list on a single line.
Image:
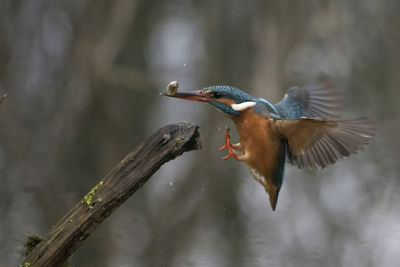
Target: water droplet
[(171, 183), (219, 128), (184, 64), (202, 189)]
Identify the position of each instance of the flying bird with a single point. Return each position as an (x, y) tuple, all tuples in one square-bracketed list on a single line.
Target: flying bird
[(303, 129)]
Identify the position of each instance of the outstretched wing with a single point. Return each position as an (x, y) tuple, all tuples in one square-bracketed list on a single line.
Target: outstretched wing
[(320, 100), (319, 143)]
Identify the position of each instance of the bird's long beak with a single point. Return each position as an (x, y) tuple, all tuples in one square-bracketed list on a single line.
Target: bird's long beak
[(198, 95)]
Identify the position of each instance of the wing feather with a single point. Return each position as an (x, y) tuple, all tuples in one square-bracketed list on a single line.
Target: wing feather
[(320, 100), (318, 143)]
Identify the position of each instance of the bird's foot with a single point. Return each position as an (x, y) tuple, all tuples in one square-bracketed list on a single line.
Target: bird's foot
[(229, 146)]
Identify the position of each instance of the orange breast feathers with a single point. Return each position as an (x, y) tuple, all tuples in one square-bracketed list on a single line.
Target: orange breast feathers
[(258, 141)]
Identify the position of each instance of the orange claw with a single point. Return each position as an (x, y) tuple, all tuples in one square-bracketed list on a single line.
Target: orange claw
[(229, 146), (227, 140)]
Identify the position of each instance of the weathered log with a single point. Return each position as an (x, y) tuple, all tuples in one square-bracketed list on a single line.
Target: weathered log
[(103, 199)]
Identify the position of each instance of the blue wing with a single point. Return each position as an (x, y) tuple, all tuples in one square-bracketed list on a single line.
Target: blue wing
[(320, 100)]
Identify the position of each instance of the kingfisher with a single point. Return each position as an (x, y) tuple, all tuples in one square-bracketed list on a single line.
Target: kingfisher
[(303, 129)]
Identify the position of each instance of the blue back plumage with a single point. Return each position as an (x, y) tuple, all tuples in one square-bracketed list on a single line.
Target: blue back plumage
[(290, 108), (320, 100), (264, 105)]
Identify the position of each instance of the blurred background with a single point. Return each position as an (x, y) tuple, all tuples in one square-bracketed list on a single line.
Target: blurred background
[(83, 79)]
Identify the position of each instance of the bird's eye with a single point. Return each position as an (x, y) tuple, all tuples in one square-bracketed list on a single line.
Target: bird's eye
[(217, 95)]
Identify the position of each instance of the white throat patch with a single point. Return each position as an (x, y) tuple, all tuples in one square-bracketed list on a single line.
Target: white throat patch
[(243, 106)]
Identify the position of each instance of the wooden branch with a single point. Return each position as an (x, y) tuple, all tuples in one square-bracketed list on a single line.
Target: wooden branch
[(127, 177)]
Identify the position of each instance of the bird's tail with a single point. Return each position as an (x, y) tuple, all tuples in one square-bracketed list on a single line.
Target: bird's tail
[(273, 196), (271, 189)]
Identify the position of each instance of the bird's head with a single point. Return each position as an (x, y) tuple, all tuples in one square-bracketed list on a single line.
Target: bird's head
[(229, 100)]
